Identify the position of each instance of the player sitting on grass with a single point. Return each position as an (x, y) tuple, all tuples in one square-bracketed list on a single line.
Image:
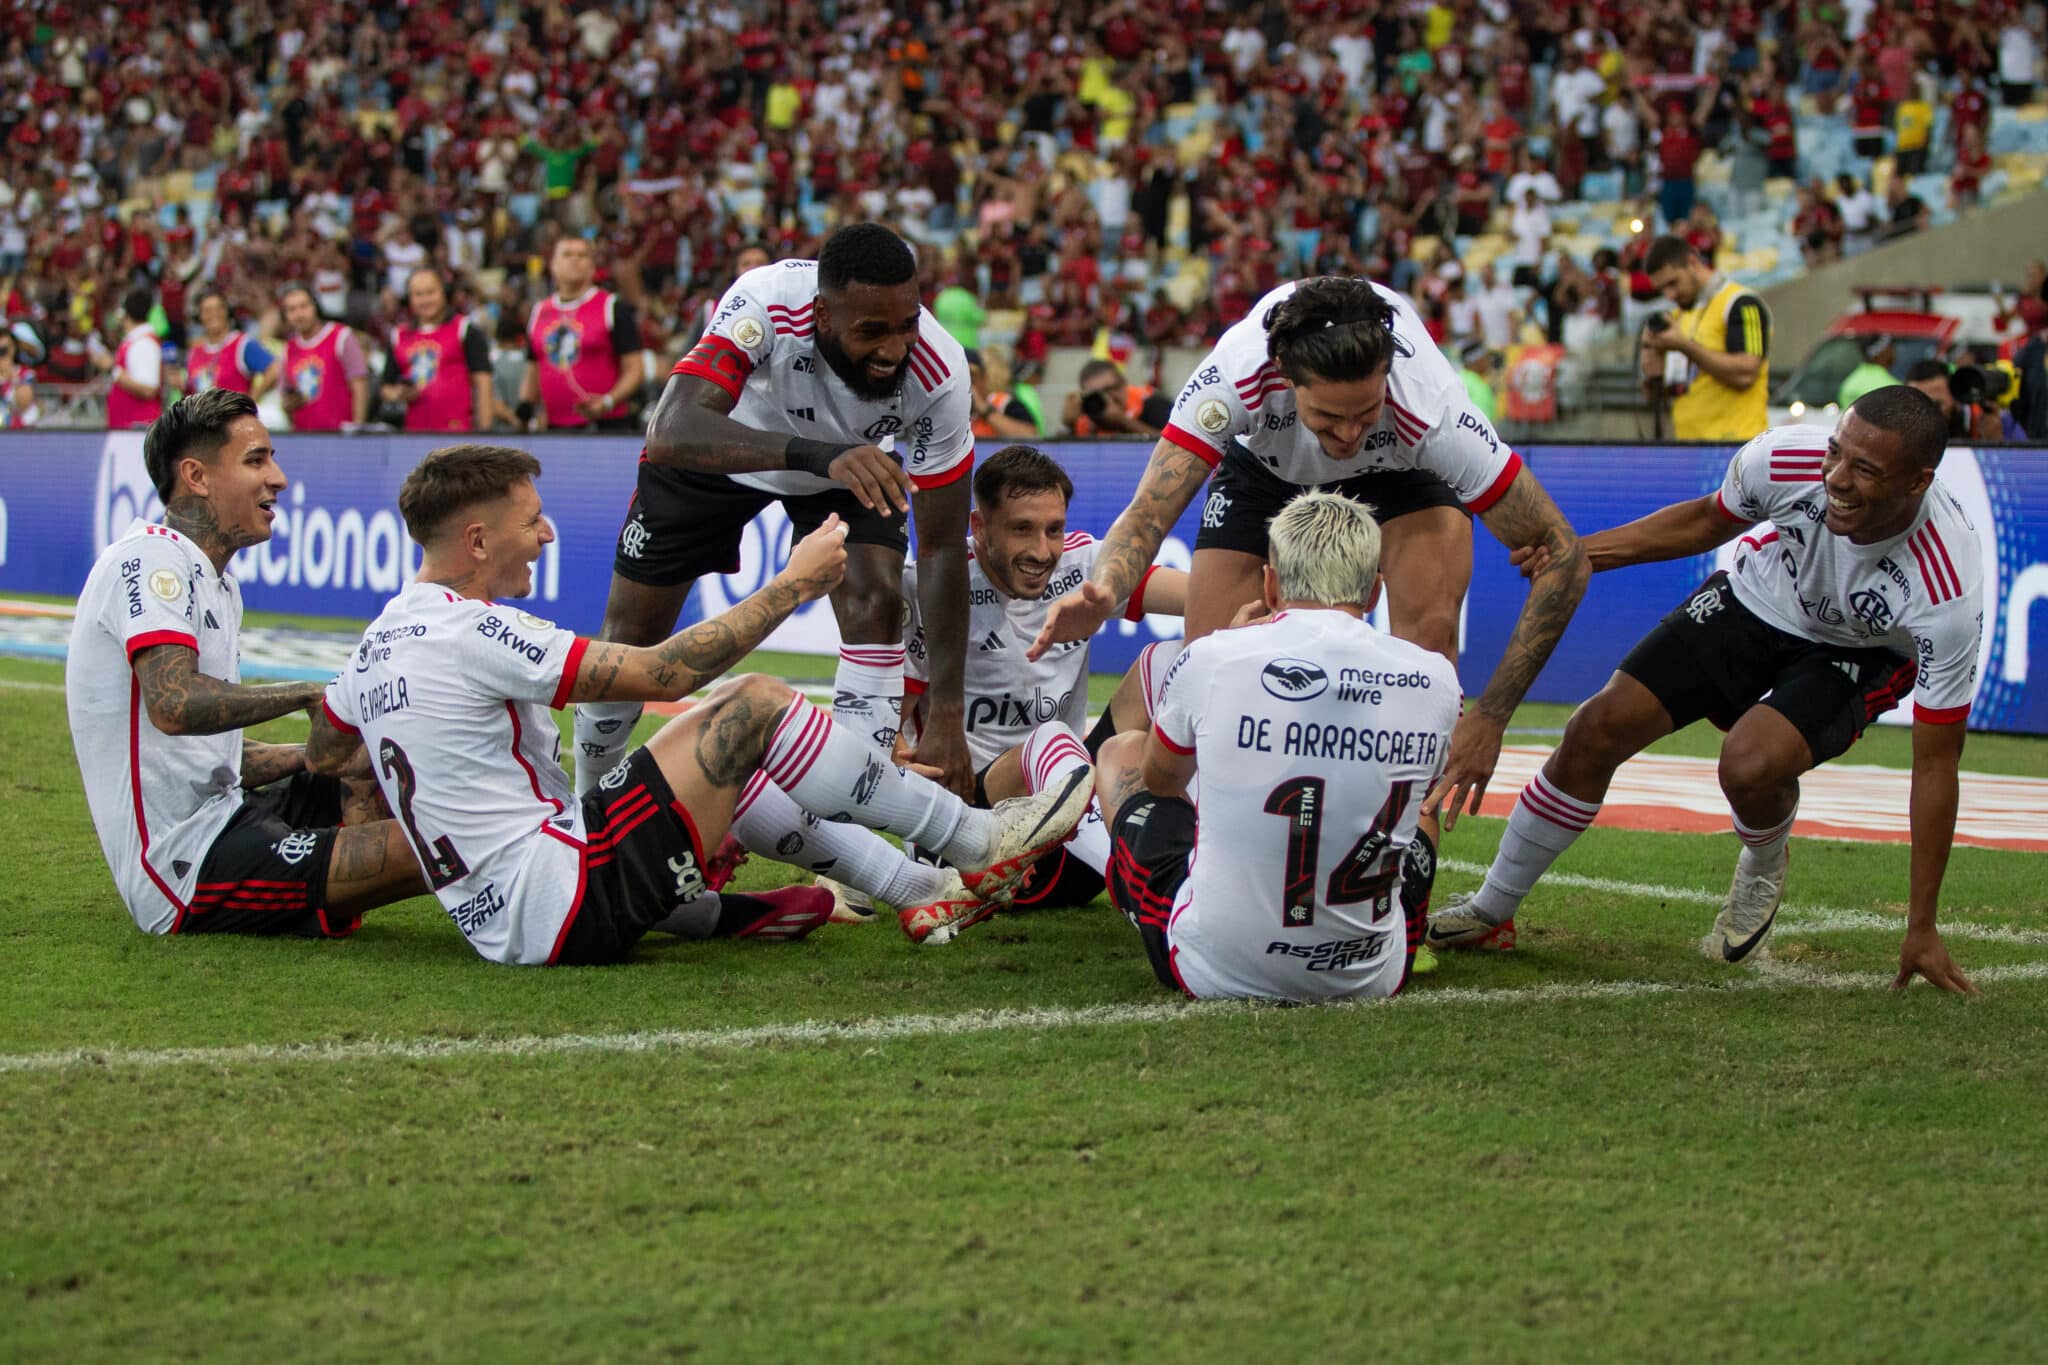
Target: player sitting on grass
[(1856, 580), (205, 831), (1318, 738), (1025, 720), (450, 695)]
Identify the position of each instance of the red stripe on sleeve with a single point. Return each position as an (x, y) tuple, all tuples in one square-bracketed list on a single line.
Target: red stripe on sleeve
[(1499, 487), (914, 687), (1135, 609), (1939, 715), (151, 638), (1163, 739), (1722, 507), (336, 721), (1192, 444), (569, 667)]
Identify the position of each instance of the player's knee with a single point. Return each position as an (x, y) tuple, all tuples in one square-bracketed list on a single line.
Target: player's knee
[(871, 614), (1597, 735), (756, 698), (1436, 630), (1749, 771)]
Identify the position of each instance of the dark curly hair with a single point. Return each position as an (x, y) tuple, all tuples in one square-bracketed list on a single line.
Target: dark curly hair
[(864, 253), (1332, 330)]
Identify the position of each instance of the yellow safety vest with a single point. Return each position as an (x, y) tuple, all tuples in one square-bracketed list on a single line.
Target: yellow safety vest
[(1709, 410)]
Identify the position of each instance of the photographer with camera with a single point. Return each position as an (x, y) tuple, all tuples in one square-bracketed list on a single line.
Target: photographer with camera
[(1971, 397), (1103, 403), (1709, 358)]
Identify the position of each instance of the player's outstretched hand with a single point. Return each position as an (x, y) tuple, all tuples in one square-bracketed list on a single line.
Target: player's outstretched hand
[(1076, 616), (1530, 559), (1924, 954), (874, 477), (943, 756), (1475, 749), (818, 561)]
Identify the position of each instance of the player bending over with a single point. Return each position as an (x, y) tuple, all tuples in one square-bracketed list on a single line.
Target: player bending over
[(1317, 737), (206, 831), (1333, 383), (450, 697), (810, 373), (1856, 579)]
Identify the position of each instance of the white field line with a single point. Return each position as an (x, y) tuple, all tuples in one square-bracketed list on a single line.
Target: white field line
[(1805, 919), (1770, 976), (24, 685)]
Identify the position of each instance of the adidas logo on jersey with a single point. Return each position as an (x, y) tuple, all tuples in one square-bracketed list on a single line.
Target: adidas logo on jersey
[(803, 414), (211, 624), (993, 642)]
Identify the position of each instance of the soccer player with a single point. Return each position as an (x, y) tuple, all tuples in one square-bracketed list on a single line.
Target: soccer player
[(1334, 383), (808, 373), (1856, 579), (1319, 737), (588, 359), (449, 695), (326, 377), (439, 367), (223, 356), (205, 831), (1025, 720)]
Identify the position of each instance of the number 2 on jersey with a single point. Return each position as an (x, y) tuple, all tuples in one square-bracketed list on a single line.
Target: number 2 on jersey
[(443, 863), (1366, 873)]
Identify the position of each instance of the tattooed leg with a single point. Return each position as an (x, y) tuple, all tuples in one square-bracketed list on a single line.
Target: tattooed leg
[(371, 865)]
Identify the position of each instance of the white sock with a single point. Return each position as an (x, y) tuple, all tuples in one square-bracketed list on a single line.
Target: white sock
[(867, 692), (1763, 850), (1542, 825), (1050, 753), (838, 777), (769, 823), (604, 731)]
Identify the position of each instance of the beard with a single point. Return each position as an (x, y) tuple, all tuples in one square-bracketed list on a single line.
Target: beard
[(854, 373)]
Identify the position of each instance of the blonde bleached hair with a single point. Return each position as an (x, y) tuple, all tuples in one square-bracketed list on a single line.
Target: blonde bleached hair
[(1325, 547)]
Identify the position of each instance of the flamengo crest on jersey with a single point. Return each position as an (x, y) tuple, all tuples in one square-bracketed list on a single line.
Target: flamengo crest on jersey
[(1007, 696), (152, 587), (1919, 594), (1428, 422), (1316, 738), (761, 348), (452, 699)]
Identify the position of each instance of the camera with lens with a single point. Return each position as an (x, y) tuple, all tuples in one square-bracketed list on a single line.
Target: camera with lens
[(1094, 404), (1975, 384), (1657, 322)]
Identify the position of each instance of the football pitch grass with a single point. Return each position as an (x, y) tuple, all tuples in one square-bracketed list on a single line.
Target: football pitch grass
[(1016, 1146)]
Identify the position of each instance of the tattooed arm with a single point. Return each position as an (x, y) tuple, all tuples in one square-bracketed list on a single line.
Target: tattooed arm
[(1172, 478), (335, 752), (691, 658), (263, 764), (691, 430), (1525, 517), (183, 701)]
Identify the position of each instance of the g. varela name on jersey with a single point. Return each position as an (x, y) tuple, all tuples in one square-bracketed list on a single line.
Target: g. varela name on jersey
[(158, 801), (1008, 696), (1919, 594), (1316, 739), (1238, 394), (452, 699), (761, 349)]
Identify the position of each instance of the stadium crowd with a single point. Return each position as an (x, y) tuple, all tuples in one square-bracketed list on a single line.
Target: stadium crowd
[(1121, 176)]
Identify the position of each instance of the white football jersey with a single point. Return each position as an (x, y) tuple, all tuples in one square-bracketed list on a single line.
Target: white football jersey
[(452, 698), (1428, 421), (158, 801), (1006, 695), (1316, 738), (760, 348), (1919, 594)]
